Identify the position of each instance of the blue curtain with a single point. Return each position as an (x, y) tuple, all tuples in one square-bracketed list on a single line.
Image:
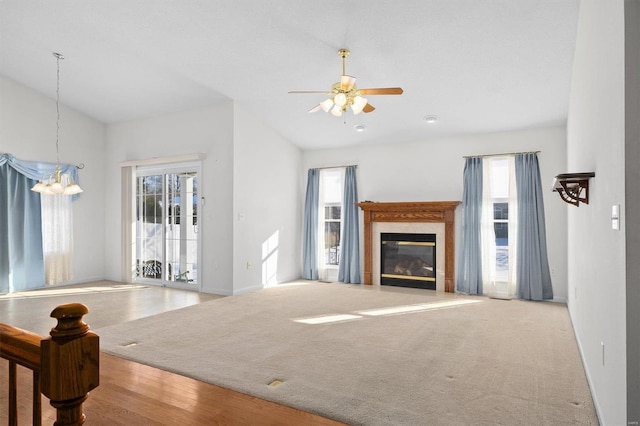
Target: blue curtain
[(532, 269), (310, 231), (349, 271), (469, 271), (21, 258)]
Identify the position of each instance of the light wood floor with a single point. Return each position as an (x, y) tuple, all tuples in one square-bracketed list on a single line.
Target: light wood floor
[(132, 393)]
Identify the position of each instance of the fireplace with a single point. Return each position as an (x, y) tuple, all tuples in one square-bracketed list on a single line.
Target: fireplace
[(408, 260), (420, 217)]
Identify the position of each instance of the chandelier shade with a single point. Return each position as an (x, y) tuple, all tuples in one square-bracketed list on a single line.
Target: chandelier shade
[(57, 182)]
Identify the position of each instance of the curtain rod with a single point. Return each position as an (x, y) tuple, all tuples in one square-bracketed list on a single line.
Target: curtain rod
[(335, 167), (497, 155)]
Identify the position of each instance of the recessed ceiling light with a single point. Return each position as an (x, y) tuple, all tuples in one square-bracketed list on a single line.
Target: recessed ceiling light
[(431, 118), (359, 128)]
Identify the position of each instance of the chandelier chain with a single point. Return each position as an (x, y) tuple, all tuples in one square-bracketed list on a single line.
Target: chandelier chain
[(58, 57)]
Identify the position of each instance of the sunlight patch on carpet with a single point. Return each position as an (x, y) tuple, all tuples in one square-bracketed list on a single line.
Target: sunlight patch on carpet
[(406, 309), (66, 291), (293, 284), (327, 318)]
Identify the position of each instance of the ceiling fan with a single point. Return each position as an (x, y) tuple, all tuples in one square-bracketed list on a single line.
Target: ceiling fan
[(345, 94)]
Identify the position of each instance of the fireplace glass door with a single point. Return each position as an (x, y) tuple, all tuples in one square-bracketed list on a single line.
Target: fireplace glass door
[(408, 260)]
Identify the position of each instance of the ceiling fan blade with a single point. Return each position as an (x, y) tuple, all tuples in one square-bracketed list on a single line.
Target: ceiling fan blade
[(315, 108), (382, 91), (368, 108), (310, 91)]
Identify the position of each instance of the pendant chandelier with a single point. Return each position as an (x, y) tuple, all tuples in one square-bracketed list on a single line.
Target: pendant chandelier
[(57, 182)]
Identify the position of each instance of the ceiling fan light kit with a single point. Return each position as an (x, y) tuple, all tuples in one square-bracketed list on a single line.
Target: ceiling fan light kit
[(345, 94), (326, 105)]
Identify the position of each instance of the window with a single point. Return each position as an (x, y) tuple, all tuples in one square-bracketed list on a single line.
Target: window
[(330, 221), (501, 229), (332, 233), (500, 201), (510, 257), (499, 225)]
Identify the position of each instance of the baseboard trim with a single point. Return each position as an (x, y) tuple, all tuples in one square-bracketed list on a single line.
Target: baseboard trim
[(247, 290), (85, 280), (586, 368)]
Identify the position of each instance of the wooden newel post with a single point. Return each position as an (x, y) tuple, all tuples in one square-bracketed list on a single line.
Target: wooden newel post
[(70, 361)]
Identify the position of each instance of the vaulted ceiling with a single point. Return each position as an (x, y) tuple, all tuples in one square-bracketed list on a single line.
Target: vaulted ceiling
[(478, 65)]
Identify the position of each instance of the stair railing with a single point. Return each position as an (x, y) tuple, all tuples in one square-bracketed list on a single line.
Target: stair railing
[(65, 365)]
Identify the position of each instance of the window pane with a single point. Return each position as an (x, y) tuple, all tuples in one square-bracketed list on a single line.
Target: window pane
[(194, 221), (331, 234), (332, 186), (502, 251), (500, 194), (501, 211), (332, 212), (500, 178), (501, 229), (332, 242), (332, 183), (152, 184)]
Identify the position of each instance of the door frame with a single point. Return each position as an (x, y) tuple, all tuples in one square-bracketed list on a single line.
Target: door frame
[(129, 191)]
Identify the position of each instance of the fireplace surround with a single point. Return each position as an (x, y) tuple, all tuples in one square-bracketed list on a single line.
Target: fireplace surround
[(425, 212)]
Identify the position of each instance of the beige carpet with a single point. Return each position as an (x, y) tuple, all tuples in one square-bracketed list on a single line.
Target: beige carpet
[(426, 361)]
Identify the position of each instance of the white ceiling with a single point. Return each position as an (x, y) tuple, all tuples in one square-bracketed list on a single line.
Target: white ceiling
[(479, 65)]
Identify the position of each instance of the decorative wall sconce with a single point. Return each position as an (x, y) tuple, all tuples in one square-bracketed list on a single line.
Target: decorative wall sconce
[(573, 188)]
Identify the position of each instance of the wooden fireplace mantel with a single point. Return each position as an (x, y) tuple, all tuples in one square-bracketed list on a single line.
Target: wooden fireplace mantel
[(418, 211)]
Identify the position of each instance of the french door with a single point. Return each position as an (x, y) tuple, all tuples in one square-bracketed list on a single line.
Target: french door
[(166, 230)]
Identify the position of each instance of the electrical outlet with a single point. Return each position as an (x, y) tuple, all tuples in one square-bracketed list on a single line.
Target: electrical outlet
[(248, 265)]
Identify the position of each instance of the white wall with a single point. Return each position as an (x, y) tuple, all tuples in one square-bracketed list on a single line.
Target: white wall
[(206, 130), (28, 131), (596, 253), (266, 205), (432, 171)]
